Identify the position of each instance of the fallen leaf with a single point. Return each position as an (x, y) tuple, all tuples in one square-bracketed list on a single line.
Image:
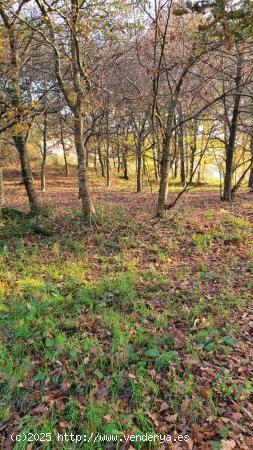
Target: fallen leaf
[(228, 444), (171, 418), (185, 405), (65, 385), (39, 410), (108, 418), (164, 407)]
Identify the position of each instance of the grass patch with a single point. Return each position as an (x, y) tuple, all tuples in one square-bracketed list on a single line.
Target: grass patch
[(104, 332)]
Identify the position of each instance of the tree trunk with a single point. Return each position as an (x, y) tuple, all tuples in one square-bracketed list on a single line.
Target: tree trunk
[(155, 164), (1, 189), (227, 191), (44, 156), (199, 174), (175, 169), (193, 149), (43, 175), (227, 196), (250, 184), (1, 181), (20, 144), (101, 163), (239, 182), (108, 167), (165, 164), (118, 160), (87, 157), (125, 165), (66, 166), (139, 165), (95, 160), (87, 205), (181, 148)]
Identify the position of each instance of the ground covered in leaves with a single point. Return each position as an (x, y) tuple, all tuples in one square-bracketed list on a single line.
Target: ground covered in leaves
[(127, 325)]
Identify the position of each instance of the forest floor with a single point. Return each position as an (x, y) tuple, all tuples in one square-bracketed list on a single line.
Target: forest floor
[(128, 326)]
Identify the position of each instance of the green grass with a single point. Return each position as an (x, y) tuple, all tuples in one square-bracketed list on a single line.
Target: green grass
[(89, 322)]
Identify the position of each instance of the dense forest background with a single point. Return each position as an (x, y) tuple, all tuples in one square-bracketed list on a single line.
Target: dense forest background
[(162, 89)]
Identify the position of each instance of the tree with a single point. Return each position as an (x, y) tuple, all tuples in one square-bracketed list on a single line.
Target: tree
[(77, 88), (15, 96)]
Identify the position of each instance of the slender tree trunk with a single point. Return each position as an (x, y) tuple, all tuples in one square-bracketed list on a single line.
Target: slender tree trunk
[(43, 174), (192, 160), (227, 191), (193, 149), (118, 160), (144, 165), (175, 168), (227, 195), (159, 157), (87, 205), (187, 153), (125, 165), (239, 182), (44, 156), (165, 164), (174, 157), (181, 148), (87, 157), (199, 175), (1, 188), (101, 162), (95, 160), (20, 144), (1, 180), (155, 164), (108, 167), (139, 165), (250, 184), (66, 166)]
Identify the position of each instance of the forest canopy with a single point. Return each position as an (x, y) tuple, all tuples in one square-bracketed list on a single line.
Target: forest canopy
[(165, 84)]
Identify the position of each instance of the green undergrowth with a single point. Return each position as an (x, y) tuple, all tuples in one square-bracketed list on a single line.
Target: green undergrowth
[(102, 324)]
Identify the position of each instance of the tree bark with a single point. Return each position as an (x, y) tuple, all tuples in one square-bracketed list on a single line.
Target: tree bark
[(193, 149), (101, 163), (227, 191), (44, 156), (43, 174), (239, 182), (84, 192), (108, 167), (125, 165), (181, 148), (118, 160), (139, 168), (250, 184), (165, 164), (17, 104), (155, 164), (95, 160), (87, 157), (1, 181), (66, 166), (76, 94), (20, 144), (1, 189)]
